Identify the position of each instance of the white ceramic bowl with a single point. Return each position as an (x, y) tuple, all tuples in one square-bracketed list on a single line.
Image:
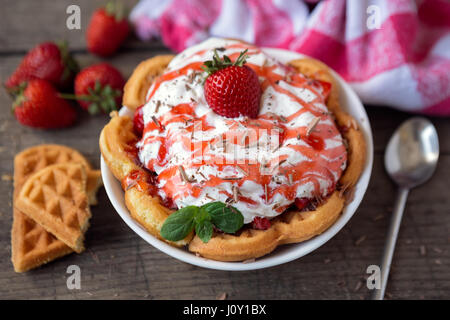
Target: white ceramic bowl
[(350, 103)]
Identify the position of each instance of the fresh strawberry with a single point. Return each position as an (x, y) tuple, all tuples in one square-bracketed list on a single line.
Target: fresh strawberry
[(38, 105), (138, 120), (261, 223), (301, 203), (47, 61), (107, 29), (98, 88), (232, 89)]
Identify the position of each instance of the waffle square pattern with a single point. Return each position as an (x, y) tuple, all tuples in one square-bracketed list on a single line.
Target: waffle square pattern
[(56, 198)]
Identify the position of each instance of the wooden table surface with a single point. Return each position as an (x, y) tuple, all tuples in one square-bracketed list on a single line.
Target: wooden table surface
[(118, 264)]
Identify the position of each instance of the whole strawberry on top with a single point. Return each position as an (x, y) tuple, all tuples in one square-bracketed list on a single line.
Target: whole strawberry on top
[(47, 61), (232, 89), (38, 105), (107, 29), (98, 88)]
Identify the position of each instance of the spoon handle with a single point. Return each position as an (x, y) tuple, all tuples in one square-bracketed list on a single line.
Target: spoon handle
[(391, 239)]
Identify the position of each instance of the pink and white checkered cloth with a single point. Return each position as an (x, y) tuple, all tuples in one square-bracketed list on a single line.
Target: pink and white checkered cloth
[(393, 52)]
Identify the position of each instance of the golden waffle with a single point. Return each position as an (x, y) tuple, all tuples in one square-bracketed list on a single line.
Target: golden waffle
[(289, 227), (31, 244), (38, 157), (137, 86), (55, 197), (93, 183)]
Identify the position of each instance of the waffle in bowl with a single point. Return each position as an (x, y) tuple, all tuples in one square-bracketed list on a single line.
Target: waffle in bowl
[(31, 244), (117, 140)]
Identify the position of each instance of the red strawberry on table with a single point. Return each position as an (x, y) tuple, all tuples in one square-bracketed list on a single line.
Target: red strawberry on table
[(47, 61), (107, 29), (232, 89), (38, 105), (98, 88)]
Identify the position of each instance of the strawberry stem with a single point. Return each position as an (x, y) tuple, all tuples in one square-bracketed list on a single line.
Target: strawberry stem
[(84, 97)]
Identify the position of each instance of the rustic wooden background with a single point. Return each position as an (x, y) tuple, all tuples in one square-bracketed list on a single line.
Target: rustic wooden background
[(118, 264)]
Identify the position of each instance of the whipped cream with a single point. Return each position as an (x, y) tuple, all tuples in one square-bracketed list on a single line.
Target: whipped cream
[(189, 147)]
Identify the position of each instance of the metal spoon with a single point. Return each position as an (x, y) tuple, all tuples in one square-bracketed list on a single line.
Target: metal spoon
[(410, 160)]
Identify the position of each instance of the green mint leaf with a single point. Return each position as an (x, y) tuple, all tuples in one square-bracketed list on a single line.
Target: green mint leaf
[(201, 216), (226, 218), (204, 230), (178, 225)]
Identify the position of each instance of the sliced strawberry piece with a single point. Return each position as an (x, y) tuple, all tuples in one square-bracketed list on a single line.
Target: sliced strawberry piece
[(301, 203), (138, 120), (261, 223), (169, 203)]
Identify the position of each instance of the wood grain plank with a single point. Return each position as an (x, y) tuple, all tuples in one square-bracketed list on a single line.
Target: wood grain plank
[(384, 122), (118, 264)]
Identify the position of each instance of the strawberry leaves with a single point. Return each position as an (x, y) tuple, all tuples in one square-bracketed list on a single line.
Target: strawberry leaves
[(203, 219), (116, 9), (101, 97), (217, 63)]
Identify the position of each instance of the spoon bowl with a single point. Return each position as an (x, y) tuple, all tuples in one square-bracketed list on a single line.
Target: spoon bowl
[(412, 153)]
